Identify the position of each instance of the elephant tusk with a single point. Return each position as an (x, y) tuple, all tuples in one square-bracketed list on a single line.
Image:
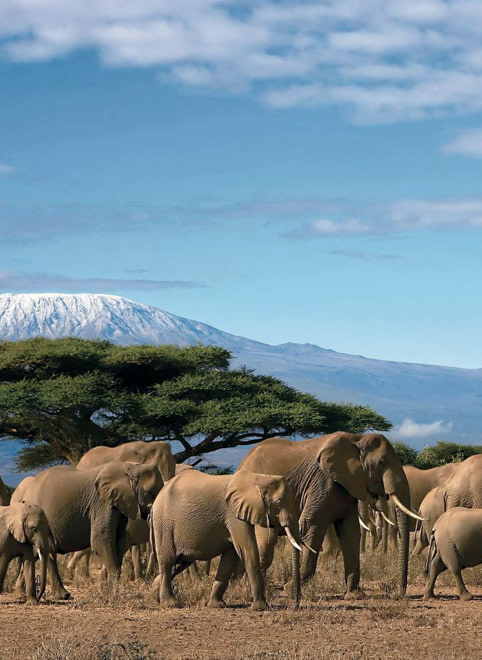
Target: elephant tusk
[(292, 539), (364, 525), (39, 554), (387, 519), (401, 506), (309, 548)]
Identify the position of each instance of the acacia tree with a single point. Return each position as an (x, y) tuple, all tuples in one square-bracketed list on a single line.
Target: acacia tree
[(62, 397)]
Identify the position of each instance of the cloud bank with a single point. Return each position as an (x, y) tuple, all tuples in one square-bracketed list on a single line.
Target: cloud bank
[(16, 282), (384, 61)]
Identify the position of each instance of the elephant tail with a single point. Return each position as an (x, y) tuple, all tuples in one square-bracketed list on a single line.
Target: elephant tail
[(152, 536), (432, 551)]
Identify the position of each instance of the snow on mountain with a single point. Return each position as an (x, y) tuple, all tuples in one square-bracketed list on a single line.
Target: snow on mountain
[(423, 393)]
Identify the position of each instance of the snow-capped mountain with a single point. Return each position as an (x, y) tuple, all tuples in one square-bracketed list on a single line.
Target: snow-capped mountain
[(446, 398)]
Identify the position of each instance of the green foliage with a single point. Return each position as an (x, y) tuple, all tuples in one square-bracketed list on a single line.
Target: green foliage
[(407, 455), (445, 452), (435, 455), (62, 397)]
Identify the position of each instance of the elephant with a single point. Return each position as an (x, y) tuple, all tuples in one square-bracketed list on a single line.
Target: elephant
[(24, 532), (18, 493), (456, 543), (156, 453), (137, 534), (328, 474), (431, 509), (4, 498), (198, 516), (91, 508), (420, 483), (464, 488)]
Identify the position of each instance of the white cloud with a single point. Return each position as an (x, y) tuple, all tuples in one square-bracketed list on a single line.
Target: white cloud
[(6, 169), (396, 217), (468, 143), (384, 61), (410, 430)]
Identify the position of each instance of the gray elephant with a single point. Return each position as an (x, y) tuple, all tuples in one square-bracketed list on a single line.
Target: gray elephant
[(431, 509), (328, 474), (456, 543), (199, 516), (91, 508), (24, 533), (156, 453), (464, 488), (420, 483)]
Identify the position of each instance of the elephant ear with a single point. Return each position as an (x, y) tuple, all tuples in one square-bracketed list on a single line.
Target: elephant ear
[(246, 492), (116, 486), (339, 458), (14, 518)]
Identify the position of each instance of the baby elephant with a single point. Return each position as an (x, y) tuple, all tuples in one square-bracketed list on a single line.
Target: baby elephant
[(198, 516), (23, 531), (456, 543)]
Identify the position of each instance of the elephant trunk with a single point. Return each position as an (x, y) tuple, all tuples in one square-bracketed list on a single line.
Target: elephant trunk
[(43, 553), (396, 483), (296, 576)]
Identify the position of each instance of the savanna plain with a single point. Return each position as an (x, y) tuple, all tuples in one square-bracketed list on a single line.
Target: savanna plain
[(124, 622)]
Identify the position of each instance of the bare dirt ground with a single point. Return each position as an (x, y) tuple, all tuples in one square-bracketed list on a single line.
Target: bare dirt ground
[(127, 623)]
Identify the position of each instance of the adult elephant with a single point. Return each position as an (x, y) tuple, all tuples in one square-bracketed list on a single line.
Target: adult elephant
[(24, 533), (328, 474), (198, 516), (464, 489), (156, 453), (420, 482), (91, 508)]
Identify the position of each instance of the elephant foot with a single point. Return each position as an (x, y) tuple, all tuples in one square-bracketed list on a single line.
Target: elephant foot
[(215, 603), (32, 601), (169, 602), (466, 595), (60, 595), (355, 594), (258, 605), (429, 595)]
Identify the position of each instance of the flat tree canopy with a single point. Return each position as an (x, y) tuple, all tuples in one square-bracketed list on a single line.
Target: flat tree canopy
[(61, 397)]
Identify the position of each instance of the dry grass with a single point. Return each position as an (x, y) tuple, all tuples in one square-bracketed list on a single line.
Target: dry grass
[(123, 621)]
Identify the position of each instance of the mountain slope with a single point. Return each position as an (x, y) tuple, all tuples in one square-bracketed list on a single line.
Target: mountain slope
[(423, 393)]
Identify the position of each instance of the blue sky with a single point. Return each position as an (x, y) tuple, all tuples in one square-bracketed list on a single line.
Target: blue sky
[(286, 171)]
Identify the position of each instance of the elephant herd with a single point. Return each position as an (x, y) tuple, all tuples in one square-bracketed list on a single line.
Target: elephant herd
[(121, 497)]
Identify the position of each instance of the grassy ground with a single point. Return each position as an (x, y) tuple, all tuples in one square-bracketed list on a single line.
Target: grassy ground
[(125, 622)]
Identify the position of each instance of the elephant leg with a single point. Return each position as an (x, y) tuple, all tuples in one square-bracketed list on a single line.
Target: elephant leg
[(3, 570), (136, 561), (464, 594), (363, 540), (165, 593), (29, 573), (348, 532), (227, 563), (151, 564), (109, 543), (266, 540), (58, 591), (436, 567), (244, 541), (19, 588), (76, 559)]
